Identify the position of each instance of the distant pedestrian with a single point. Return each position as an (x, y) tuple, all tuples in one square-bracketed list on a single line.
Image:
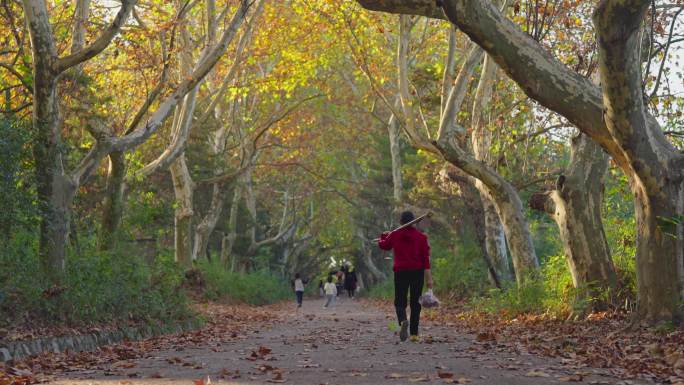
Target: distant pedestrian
[(299, 289), (340, 281), (411, 269), (321, 290), (330, 292), (350, 282)]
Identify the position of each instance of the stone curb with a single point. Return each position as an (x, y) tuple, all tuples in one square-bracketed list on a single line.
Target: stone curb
[(87, 342)]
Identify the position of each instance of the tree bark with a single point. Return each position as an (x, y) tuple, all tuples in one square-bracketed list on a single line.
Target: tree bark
[(183, 213), (494, 187), (508, 205), (208, 223), (615, 117), (228, 241), (112, 212), (395, 153), (470, 194), (54, 189), (654, 166), (575, 206), (482, 144)]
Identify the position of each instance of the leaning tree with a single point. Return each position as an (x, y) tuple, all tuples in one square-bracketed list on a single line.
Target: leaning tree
[(614, 115)]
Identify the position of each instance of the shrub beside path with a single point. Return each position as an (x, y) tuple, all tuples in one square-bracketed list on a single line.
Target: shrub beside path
[(350, 344)]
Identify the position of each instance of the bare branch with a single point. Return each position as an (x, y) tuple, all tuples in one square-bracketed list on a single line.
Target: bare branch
[(101, 43)]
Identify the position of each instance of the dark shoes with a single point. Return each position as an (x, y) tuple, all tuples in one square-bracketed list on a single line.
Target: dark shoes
[(403, 332)]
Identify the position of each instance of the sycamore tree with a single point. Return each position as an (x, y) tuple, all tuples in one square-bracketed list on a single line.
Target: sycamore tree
[(52, 62), (613, 115)]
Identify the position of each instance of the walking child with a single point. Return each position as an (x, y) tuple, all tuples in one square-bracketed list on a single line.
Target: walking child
[(299, 289), (330, 292)]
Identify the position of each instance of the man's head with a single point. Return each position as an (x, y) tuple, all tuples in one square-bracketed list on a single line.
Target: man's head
[(330, 278), (406, 217)]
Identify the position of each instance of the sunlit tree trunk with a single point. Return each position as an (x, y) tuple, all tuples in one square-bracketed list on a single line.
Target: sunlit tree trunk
[(655, 167), (614, 116), (469, 193), (575, 205), (482, 146), (183, 213)]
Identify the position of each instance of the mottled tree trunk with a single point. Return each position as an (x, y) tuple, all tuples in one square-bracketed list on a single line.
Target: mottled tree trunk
[(660, 250), (54, 189), (495, 238), (112, 213), (208, 223), (395, 152), (575, 205), (183, 213), (614, 116), (482, 146), (470, 194), (508, 205), (654, 166), (228, 241)]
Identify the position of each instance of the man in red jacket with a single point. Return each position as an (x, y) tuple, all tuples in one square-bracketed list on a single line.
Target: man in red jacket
[(411, 270)]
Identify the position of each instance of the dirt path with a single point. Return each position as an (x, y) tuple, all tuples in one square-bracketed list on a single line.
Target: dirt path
[(350, 344)]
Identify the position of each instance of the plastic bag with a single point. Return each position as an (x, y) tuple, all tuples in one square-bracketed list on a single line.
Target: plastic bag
[(428, 300)]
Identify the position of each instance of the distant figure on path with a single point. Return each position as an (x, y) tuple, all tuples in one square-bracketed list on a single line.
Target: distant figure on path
[(321, 290), (350, 282), (340, 280), (330, 292), (411, 270), (299, 289)]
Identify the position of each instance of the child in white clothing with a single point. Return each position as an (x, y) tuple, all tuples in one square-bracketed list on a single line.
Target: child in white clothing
[(299, 289), (330, 292)]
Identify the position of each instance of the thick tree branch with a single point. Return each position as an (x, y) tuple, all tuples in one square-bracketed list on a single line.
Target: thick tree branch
[(101, 43)]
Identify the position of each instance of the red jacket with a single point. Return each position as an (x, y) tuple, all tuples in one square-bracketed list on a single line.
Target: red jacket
[(410, 246)]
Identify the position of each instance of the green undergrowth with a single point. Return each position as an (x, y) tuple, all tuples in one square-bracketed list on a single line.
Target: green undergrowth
[(96, 288), (255, 288), (383, 290)]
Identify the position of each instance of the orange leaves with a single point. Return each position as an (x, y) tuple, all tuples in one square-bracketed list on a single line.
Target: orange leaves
[(603, 339)]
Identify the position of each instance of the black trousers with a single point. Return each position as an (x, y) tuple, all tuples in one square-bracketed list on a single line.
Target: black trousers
[(405, 282)]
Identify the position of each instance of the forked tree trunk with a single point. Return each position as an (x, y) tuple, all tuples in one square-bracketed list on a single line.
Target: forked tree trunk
[(508, 205), (470, 194), (614, 116), (208, 223), (575, 206), (482, 146), (183, 214)]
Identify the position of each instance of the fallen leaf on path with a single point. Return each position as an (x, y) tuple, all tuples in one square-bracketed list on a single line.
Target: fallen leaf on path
[(395, 376), (537, 373), (485, 336), (445, 375)]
